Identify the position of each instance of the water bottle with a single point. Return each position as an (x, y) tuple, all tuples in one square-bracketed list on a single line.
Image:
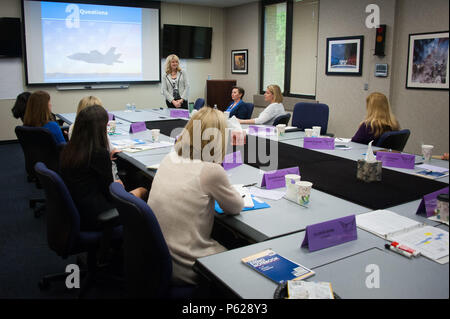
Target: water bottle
[(128, 107), (215, 106), (133, 107)]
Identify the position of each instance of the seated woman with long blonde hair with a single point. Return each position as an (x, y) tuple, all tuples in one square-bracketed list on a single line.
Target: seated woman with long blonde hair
[(379, 120), (186, 185)]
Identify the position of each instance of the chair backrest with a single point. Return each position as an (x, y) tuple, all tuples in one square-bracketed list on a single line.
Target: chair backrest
[(63, 219), (38, 145), (395, 140), (148, 263), (199, 103), (282, 119), (250, 107), (307, 115)]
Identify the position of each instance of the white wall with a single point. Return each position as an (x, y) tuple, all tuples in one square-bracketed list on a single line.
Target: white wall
[(424, 112), (144, 95), (345, 95), (242, 32)]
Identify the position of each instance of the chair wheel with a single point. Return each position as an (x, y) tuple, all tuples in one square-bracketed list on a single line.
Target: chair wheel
[(44, 284)]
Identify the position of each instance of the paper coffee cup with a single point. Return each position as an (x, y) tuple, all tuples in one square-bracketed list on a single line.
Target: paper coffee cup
[(281, 129), (316, 131), (155, 135), (227, 114), (308, 132), (426, 152), (291, 189), (304, 192), (111, 127)]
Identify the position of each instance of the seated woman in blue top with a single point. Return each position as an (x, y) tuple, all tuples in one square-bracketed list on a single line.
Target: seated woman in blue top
[(237, 108), (38, 113), (379, 120)]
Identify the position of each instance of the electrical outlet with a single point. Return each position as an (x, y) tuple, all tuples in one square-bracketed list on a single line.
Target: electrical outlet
[(366, 86)]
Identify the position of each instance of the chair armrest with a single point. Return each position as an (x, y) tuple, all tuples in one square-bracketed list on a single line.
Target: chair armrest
[(109, 217)]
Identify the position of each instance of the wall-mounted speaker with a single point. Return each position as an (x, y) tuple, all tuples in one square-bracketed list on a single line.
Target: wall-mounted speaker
[(380, 40)]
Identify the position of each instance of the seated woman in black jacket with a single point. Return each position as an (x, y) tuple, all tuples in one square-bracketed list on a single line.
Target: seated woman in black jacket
[(86, 167), (238, 108)]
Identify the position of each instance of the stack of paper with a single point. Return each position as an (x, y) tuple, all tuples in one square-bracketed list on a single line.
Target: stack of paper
[(244, 192), (430, 241), (384, 222)]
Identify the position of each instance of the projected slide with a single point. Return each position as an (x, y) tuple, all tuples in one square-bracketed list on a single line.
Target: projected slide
[(91, 42), (80, 43)]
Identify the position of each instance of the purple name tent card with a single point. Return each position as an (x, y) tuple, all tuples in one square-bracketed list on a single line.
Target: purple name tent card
[(179, 113), (398, 160), (261, 130), (275, 179), (232, 160), (111, 117), (137, 127), (330, 233), (319, 143), (429, 202)]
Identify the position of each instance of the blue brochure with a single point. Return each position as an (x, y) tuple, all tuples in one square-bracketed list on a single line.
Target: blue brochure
[(256, 205), (276, 267)]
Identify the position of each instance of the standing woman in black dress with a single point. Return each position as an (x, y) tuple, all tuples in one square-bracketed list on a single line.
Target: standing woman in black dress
[(175, 84), (86, 167)]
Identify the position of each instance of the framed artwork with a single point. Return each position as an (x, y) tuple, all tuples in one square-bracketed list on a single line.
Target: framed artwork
[(345, 56), (239, 61), (427, 61)]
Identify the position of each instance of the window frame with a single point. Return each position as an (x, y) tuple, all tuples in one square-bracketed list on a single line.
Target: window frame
[(288, 50)]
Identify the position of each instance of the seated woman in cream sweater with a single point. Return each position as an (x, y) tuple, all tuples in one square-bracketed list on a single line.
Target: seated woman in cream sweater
[(272, 111), (184, 189)]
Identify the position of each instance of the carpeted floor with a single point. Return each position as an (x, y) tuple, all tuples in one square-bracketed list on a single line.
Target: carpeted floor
[(24, 254)]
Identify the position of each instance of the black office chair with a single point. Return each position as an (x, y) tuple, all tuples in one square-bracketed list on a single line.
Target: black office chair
[(147, 260), (282, 119), (63, 229), (307, 115), (395, 140), (199, 103), (38, 145)]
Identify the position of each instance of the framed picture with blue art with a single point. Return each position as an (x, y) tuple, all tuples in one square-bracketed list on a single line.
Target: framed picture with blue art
[(345, 56), (428, 61)]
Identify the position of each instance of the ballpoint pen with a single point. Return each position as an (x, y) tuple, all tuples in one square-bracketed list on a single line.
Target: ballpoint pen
[(248, 185)]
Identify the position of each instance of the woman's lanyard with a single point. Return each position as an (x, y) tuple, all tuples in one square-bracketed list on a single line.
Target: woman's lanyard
[(231, 107)]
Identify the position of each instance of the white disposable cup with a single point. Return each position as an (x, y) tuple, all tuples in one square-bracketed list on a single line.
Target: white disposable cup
[(281, 129), (155, 135), (111, 127), (304, 192), (227, 114), (308, 132), (291, 180), (316, 131), (426, 152)]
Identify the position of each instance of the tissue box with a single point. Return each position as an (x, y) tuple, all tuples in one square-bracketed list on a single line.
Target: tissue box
[(369, 172)]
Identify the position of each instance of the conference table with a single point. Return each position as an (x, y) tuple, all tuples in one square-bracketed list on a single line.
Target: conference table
[(281, 227)]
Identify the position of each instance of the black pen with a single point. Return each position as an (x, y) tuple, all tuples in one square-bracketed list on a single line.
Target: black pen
[(248, 185)]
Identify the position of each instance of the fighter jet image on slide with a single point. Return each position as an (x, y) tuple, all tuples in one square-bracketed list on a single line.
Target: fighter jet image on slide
[(109, 58)]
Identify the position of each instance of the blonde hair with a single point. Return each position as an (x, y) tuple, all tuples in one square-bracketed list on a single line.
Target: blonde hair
[(88, 101), (37, 112), (169, 59), (212, 134), (379, 117), (276, 91)]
